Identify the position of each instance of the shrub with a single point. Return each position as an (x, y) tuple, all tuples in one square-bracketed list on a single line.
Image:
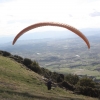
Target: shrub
[(88, 91), (54, 76), (60, 78), (27, 62), (46, 73), (67, 85), (72, 79), (1, 52), (87, 82), (5, 53), (34, 66), (17, 58)]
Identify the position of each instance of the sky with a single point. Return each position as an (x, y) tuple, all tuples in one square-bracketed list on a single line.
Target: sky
[(18, 14)]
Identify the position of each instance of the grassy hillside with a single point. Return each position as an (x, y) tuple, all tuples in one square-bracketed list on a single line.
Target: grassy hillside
[(19, 83)]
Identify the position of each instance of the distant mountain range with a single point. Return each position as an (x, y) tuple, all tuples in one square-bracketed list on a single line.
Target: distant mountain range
[(51, 34)]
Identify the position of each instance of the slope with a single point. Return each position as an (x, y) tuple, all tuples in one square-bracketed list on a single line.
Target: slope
[(19, 83)]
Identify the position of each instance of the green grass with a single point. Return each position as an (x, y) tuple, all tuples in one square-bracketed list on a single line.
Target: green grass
[(78, 71), (19, 83)]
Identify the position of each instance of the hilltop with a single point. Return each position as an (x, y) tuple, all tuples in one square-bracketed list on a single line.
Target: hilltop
[(17, 82)]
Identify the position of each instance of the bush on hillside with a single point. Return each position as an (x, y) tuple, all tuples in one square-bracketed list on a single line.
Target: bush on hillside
[(17, 58), (86, 82), (88, 91), (67, 85), (34, 66), (60, 78), (46, 73), (27, 62), (5, 53), (1, 52), (72, 79)]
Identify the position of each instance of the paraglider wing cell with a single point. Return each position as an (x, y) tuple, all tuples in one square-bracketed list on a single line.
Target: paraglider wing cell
[(76, 31)]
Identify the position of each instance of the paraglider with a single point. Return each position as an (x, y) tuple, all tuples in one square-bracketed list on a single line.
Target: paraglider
[(73, 29)]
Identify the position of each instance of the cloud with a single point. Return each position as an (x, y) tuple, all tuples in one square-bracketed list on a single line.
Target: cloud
[(95, 14), (18, 14), (3, 1)]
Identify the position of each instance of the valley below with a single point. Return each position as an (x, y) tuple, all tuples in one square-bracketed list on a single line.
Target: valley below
[(66, 55)]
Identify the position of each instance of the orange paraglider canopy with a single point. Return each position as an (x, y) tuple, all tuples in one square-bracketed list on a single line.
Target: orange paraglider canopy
[(76, 31)]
